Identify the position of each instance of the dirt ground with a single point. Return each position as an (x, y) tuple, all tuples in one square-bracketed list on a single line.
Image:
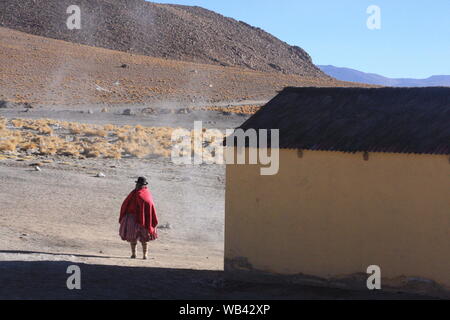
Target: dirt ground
[(46, 71), (64, 215)]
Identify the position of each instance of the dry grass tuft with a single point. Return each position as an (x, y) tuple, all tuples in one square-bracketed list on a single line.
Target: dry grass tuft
[(3, 123), (243, 110), (8, 145)]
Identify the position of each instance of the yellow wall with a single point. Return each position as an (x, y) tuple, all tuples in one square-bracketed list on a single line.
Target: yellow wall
[(331, 214)]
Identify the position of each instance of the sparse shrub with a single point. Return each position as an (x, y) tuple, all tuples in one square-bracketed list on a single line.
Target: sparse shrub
[(8, 145), (74, 128), (45, 130), (49, 145), (18, 123), (69, 150), (95, 132), (3, 122), (109, 127), (28, 146)]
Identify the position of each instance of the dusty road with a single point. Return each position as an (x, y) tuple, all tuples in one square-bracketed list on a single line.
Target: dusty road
[(65, 215), (67, 209)]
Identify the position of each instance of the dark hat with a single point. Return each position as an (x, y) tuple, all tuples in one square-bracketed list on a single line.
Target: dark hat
[(142, 181)]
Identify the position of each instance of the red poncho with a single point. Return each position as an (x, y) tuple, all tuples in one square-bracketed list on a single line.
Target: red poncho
[(140, 204)]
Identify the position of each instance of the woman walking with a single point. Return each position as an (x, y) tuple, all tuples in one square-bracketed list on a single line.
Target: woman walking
[(138, 219)]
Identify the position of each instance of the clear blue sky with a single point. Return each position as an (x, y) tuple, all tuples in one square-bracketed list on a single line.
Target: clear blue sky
[(414, 40)]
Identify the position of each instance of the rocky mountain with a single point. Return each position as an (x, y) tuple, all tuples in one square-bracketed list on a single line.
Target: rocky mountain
[(351, 75), (175, 32)]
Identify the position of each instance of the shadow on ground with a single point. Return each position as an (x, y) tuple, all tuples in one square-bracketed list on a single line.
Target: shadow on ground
[(60, 254), (47, 280)]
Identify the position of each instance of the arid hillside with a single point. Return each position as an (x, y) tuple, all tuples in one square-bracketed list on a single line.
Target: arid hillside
[(40, 70), (160, 30)]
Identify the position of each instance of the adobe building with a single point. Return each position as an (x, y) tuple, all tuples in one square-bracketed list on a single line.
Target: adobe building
[(364, 179)]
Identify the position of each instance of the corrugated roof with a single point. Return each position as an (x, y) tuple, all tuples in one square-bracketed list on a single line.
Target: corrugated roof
[(395, 120)]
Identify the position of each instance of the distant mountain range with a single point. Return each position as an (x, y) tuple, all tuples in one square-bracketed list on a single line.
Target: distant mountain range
[(347, 74)]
